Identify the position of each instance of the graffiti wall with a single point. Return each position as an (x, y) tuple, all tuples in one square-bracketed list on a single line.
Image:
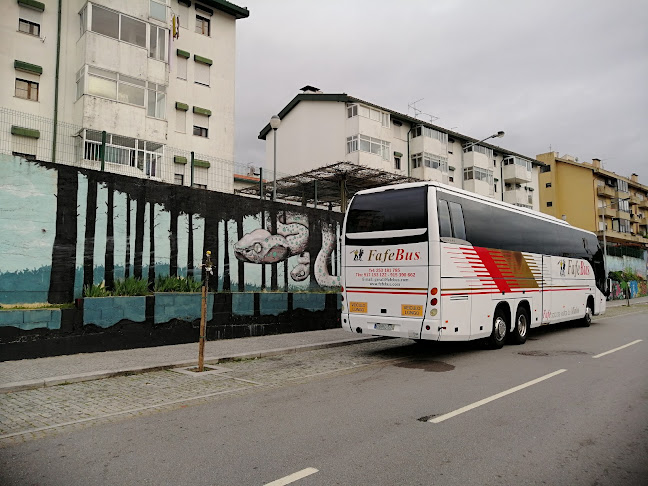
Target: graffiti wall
[(63, 228), (636, 288)]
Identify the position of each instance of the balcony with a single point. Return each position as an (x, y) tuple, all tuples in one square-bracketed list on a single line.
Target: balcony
[(610, 212), (634, 200), (643, 203), (605, 191), (427, 174), (518, 196), (618, 237), (516, 174), (474, 158), (478, 187)]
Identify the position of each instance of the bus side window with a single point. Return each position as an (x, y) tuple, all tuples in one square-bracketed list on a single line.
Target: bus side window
[(444, 219), (458, 227)]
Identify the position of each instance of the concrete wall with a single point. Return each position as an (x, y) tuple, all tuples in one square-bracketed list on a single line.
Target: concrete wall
[(63, 228)]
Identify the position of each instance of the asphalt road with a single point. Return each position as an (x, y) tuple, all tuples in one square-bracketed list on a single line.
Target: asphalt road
[(377, 413)]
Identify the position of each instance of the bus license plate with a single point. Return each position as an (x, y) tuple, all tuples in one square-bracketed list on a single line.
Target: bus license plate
[(360, 307), (383, 327)]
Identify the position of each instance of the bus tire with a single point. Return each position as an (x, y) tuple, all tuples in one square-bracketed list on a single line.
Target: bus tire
[(500, 328), (521, 327), (586, 321)]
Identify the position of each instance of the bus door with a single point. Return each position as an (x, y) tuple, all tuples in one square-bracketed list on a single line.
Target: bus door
[(385, 262), (547, 294)]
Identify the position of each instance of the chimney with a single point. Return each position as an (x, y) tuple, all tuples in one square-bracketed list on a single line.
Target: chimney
[(634, 177), (310, 89), (596, 163)]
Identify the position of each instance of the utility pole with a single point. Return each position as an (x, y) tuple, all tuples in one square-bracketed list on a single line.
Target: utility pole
[(203, 313)]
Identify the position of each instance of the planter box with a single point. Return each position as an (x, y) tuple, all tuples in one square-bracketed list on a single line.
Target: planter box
[(107, 311), (184, 306)]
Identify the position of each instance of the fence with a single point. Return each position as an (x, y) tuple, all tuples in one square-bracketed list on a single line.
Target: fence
[(34, 138)]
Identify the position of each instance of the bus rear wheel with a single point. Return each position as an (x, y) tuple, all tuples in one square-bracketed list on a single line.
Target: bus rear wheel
[(500, 328), (521, 328)]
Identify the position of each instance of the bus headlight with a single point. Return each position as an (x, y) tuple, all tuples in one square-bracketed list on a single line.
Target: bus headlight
[(433, 312)]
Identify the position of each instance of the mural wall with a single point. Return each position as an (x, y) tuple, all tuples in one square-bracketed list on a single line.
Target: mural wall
[(63, 228)]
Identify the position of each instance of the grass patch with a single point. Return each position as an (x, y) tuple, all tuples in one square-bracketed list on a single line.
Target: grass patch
[(177, 284)]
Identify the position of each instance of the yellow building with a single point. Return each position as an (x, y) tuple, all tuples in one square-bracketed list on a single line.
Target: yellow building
[(595, 199)]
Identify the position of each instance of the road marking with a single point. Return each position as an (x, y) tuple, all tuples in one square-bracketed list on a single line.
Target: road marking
[(293, 477), (461, 410), (617, 349)]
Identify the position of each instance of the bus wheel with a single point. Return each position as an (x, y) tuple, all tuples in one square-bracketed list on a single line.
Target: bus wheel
[(500, 326), (519, 334), (587, 320)]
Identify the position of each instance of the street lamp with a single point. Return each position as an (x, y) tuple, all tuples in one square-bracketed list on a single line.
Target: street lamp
[(275, 121), (499, 134)]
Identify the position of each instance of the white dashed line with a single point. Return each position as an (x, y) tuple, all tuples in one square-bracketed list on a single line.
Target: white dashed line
[(461, 410), (293, 477), (617, 349)]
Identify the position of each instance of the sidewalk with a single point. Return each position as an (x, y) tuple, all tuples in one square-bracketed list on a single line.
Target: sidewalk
[(35, 373), (619, 303)]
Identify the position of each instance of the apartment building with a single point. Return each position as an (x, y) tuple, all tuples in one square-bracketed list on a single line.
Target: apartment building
[(318, 129), (596, 199), (157, 76)]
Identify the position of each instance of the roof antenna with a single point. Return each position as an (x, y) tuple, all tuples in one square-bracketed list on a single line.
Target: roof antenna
[(417, 112)]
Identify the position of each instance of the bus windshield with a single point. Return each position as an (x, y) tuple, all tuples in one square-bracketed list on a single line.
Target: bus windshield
[(388, 210)]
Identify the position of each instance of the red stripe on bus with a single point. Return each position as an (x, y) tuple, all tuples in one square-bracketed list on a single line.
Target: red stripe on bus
[(382, 292), (491, 266)]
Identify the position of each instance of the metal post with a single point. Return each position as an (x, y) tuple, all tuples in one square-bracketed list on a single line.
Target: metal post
[(261, 188), (102, 151), (192, 169), (315, 183), (274, 176), (203, 313)]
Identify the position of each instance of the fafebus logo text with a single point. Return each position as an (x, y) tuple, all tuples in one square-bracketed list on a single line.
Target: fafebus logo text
[(389, 255), (572, 267)]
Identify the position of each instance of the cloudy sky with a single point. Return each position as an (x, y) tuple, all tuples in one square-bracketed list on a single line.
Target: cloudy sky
[(565, 75)]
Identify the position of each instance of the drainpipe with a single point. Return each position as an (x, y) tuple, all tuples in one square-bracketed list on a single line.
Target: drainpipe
[(409, 174), (56, 80)]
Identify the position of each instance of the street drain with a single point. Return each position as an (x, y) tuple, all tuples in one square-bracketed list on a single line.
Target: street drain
[(426, 365)]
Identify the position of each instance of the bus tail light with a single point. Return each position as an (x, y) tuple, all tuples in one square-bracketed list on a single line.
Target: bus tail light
[(342, 288), (434, 291), (434, 301)]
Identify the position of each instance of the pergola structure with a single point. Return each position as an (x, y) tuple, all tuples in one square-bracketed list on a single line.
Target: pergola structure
[(331, 185)]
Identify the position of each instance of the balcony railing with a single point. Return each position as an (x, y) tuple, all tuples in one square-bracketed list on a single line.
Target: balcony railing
[(516, 174)]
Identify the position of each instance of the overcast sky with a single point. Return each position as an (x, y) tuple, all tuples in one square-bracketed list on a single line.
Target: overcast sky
[(565, 75)]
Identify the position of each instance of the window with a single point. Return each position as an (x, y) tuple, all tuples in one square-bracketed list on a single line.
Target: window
[(371, 113), (181, 67), (456, 215), (548, 184), (479, 149), (143, 155), (178, 179), (158, 10), (199, 131), (451, 179), (420, 130), (83, 17), (181, 121), (200, 125), (368, 144), (200, 186), (549, 204), (201, 73), (430, 160), (545, 168), (105, 22), (114, 86), (518, 161), (156, 102), (478, 174), (158, 43), (352, 110), (622, 186), (27, 90), (397, 163), (389, 210), (133, 31), (202, 25), (31, 28)]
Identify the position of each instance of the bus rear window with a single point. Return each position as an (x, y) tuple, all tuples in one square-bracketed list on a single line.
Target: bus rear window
[(388, 211)]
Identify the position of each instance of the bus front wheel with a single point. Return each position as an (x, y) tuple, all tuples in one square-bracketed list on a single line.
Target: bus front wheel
[(587, 319), (500, 327), (521, 328)]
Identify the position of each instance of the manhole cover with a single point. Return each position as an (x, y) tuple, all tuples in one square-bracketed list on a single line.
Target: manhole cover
[(552, 353)]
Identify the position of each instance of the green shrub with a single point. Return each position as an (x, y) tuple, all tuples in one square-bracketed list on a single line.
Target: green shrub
[(131, 286), (96, 291), (177, 284)]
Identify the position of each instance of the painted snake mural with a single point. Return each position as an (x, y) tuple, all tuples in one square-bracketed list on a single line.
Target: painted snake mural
[(290, 239)]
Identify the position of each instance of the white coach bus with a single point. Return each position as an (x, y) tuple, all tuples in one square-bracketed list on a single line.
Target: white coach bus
[(430, 262)]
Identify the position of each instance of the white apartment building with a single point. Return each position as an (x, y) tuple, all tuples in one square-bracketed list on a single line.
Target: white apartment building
[(319, 129), (125, 67)]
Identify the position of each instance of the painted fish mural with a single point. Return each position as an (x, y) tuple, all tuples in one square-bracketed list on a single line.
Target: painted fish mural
[(262, 246)]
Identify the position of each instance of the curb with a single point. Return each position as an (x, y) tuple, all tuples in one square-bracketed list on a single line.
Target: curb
[(99, 375)]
